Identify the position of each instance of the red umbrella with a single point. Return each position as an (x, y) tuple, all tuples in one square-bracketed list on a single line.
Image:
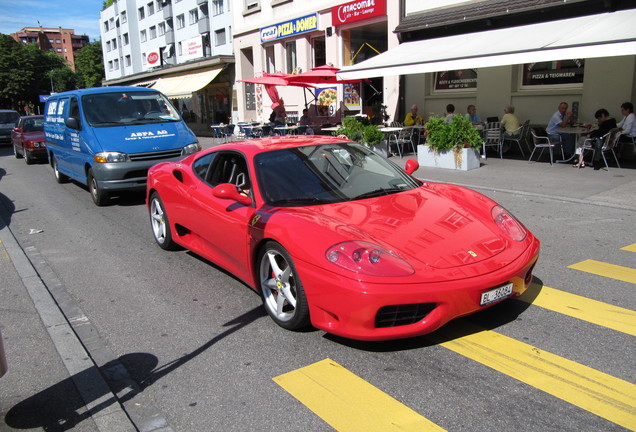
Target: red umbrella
[(276, 79), (325, 74)]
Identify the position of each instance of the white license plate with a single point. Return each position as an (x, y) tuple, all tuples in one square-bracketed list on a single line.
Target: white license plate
[(496, 294)]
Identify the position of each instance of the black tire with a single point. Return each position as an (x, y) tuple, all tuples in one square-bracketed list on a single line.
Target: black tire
[(100, 197), (59, 177), (27, 159), (281, 288), (160, 224), (15, 152)]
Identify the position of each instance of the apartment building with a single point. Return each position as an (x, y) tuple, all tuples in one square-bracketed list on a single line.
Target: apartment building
[(181, 47), (63, 42)]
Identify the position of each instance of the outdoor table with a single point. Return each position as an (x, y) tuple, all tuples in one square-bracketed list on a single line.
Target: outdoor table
[(577, 131), (329, 129), (284, 130), (252, 129)]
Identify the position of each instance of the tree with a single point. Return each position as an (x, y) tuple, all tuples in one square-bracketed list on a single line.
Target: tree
[(89, 64)]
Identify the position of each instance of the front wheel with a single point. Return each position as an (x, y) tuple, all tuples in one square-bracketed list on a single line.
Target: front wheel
[(160, 224), (283, 293), (99, 196), (28, 159)]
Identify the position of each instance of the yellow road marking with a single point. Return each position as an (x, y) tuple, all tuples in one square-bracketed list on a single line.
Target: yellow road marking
[(599, 393), (624, 274), (349, 403), (630, 248), (583, 308)]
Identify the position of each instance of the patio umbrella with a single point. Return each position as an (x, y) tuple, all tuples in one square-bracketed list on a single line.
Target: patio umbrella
[(270, 81), (325, 74)]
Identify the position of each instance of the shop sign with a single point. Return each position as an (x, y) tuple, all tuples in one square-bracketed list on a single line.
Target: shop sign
[(560, 73), (152, 57), (462, 79), (357, 10), (290, 28), (326, 101), (351, 94), (192, 48)]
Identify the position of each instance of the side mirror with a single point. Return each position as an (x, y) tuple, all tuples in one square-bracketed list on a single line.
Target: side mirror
[(17, 130), (411, 166), (229, 191), (72, 122)]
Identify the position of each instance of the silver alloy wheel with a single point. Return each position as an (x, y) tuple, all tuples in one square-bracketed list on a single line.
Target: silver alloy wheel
[(158, 221), (278, 286)]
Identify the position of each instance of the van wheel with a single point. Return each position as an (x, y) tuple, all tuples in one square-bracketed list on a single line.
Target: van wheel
[(59, 177), (100, 197)]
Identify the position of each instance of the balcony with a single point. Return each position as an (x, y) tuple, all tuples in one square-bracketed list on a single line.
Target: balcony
[(169, 36), (167, 11), (204, 25)]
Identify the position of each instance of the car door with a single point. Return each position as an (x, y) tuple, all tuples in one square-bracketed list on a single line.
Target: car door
[(222, 225)]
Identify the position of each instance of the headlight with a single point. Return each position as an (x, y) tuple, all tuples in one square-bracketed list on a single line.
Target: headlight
[(190, 148), (110, 157), (366, 258), (508, 224)]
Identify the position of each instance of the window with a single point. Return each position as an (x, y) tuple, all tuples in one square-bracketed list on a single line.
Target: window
[(108, 48), (143, 58), (114, 41), (217, 7), (116, 64), (126, 42), (105, 26), (194, 16), (319, 51), (141, 13), (128, 60), (124, 17), (219, 37), (290, 51), (270, 62), (162, 28), (252, 5), (180, 21), (151, 8), (142, 36), (57, 41), (159, 5), (153, 32), (110, 65), (59, 50)]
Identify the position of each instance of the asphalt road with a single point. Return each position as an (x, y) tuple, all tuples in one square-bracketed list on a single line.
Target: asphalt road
[(203, 355)]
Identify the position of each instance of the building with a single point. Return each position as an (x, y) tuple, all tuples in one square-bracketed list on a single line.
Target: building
[(63, 42), (295, 36), (528, 54), (181, 47)]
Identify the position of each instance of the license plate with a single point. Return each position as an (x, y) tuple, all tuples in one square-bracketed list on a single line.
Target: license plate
[(496, 294)]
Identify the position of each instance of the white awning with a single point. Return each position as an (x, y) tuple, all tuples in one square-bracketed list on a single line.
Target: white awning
[(603, 35), (182, 86)]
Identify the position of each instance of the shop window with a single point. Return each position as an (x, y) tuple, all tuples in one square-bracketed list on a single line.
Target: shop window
[(290, 55), (319, 51), (270, 61), (554, 74)]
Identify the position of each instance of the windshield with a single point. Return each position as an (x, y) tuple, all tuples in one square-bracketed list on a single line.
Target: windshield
[(121, 109), (327, 173), (9, 117)]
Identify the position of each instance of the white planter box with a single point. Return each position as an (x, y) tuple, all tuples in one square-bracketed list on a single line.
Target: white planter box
[(469, 158)]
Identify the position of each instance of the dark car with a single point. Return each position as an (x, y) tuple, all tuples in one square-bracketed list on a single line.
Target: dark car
[(8, 118), (27, 138)]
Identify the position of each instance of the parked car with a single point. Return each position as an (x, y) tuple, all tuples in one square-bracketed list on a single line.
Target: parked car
[(108, 137), (27, 138), (8, 118), (333, 235)]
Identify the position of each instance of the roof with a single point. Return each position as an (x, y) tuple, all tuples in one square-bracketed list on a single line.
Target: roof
[(95, 90), (257, 145)]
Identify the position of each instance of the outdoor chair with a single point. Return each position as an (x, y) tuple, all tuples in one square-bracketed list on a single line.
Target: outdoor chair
[(493, 137), (403, 137), (608, 142), (543, 141), (221, 132), (518, 136)]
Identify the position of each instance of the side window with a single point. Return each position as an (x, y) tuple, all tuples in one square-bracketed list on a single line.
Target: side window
[(201, 165)]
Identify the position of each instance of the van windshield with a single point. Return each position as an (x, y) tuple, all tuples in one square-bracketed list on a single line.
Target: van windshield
[(122, 109)]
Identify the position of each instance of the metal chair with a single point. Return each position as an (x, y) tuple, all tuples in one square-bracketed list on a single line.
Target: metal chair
[(607, 144), (404, 136), (542, 140), (220, 132), (493, 137), (518, 135)]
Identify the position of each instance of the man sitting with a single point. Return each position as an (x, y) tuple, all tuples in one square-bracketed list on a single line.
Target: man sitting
[(413, 118)]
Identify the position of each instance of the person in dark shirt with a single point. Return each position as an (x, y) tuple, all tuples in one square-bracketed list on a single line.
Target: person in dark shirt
[(605, 124)]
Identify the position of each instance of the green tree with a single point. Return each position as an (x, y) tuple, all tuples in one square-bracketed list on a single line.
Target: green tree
[(89, 64)]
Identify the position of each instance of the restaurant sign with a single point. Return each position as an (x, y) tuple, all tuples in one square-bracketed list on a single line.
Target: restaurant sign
[(357, 10), (462, 79), (290, 28), (559, 73)]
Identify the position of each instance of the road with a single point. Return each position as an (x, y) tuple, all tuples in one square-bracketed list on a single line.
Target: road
[(204, 356)]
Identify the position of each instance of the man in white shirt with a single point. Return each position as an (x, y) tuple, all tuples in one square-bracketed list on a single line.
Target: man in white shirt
[(628, 124)]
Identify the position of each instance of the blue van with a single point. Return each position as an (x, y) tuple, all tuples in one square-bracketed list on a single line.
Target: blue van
[(108, 137)]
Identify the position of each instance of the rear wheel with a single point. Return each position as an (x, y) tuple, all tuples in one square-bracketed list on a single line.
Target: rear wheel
[(100, 196), (160, 224), (283, 293), (59, 177)]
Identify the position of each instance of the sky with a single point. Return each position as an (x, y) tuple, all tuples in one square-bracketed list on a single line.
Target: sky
[(80, 15)]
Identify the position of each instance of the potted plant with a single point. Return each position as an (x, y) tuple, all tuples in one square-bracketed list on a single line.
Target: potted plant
[(450, 145), (363, 132)]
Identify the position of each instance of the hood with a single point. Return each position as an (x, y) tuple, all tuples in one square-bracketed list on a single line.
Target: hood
[(7, 125), (143, 138), (420, 224)]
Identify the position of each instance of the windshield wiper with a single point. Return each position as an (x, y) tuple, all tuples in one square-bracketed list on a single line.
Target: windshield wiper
[(305, 200), (378, 192)]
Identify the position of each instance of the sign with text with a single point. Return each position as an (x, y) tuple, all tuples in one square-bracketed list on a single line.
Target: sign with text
[(357, 10), (562, 72), (290, 28), (192, 48), (463, 79)]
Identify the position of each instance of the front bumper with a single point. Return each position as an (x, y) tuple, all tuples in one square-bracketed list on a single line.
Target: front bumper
[(125, 175)]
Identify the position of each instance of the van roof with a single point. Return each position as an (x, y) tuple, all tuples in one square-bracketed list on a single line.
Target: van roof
[(95, 90)]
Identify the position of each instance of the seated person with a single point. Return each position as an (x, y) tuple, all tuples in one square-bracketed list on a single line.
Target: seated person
[(450, 112), (509, 122), (413, 118), (628, 124), (605, 124), (560, 119), (304, 122), (472, 115)]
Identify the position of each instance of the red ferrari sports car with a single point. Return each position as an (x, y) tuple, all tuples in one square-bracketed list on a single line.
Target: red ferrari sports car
[(333, 235)]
